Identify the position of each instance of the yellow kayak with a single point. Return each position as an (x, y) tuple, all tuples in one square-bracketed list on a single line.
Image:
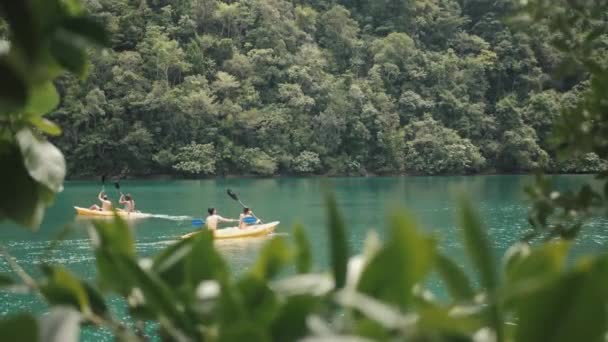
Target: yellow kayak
[(99, 213), (235, 232)]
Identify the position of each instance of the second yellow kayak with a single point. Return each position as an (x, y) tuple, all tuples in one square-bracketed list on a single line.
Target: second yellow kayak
[(235, 232)]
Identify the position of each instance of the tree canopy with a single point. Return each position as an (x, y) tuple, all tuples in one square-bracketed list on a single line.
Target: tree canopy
[(316, 86)]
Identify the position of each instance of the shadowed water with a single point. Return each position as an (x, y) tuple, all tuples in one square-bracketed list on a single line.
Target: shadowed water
[(363, 201)]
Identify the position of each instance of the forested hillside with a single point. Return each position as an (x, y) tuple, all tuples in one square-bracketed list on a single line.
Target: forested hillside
[(207, 87)]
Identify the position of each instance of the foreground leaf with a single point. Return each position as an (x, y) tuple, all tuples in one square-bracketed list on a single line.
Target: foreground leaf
[(43, 161), (570, 308), (338, 241), (63, 288), (68, 54), (6, 280), (204, 262), (290, 322), (259, 301), (404, 261), (303, 255), (20, 327), (21, 199), (546, 262), (115, 236), (45, 125), (43, 99), (244, 331), (13, 90), (478, 245), (454, 278), (273, 257)]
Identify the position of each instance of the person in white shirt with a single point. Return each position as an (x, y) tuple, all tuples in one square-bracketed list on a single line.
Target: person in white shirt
[(213, 219)]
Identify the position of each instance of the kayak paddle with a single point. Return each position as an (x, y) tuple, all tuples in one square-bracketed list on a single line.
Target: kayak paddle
[(117, 186), (103, 183), (235, 197)]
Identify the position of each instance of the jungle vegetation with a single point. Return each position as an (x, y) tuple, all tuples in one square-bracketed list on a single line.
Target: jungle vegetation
[(336, 87)]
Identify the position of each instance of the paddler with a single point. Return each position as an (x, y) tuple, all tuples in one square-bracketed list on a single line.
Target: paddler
[(106, 204), (247, 213), (128, 202), (213, 219)]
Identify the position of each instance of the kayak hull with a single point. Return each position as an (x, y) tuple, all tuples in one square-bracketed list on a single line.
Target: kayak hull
[(100, 214), (236, 233)]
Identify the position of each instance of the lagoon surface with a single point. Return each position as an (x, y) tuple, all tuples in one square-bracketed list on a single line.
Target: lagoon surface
[(364, 202)]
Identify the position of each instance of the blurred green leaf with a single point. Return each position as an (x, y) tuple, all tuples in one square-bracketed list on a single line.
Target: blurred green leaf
[(231, 305), (73, 7), (69, 55), (405, 260), (258, 299), (456, 281), (170, 263), (480, 251), (112, 239), (157, 296), (272, 258), (290, 322), (96, 301), (45, 125), (23, 26), (368, 328), (20, 327), (43, 161), (43, 99), (570, 308), (115, 236), (244, 331), (107, 276), (62, 324), (204, 262), (6, 280), (545, 261), (13, 90), (21, 198), (87, 28), (63, 288), (336, 338), (303, 254), (478, 245), (338, 241), (439, 320)]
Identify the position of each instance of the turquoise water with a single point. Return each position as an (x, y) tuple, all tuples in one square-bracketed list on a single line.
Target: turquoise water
[(364, 201)]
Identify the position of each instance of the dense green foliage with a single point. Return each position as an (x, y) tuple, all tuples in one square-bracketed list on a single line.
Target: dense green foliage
[(317, 86)]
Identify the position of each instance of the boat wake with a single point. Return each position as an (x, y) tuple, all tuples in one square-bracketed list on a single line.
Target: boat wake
[(171, 217)]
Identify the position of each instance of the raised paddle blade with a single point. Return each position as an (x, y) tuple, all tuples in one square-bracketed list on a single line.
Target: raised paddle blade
[(197, 223), (232, 195), (103, 179), (117, 185)]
